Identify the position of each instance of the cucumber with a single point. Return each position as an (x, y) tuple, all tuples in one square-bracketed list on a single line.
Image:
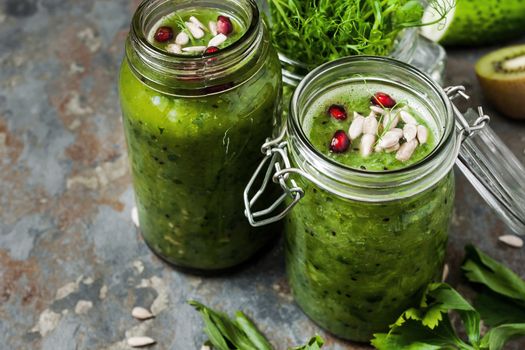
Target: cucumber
[(476, 22)]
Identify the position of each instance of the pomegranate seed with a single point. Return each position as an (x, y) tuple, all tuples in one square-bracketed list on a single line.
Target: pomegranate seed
[(164, 34), (383, 100), (210, 50), (224, 25), (340, 142), (337, 112)]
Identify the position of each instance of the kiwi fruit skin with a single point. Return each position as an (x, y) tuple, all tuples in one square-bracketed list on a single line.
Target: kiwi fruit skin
[(482, 22), (505, 89)]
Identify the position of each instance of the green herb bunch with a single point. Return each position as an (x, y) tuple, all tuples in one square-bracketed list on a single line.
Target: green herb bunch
[(317, 31)]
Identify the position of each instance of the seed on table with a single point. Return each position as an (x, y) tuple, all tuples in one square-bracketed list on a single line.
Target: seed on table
[(409, 132), (195, 30), (141, 313), (511, 240), (137, 342), (182, 39), (217, 40), (422, 134), (406, 150), (407, 117), (356, 128), (135, 216)]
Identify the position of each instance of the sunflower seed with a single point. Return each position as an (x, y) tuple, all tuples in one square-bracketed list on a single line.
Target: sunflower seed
[(409, 132), (367, 142), (182, 39), (370, 125), (511, 240), (390, 120), (407, 117), (198, 23), (422, 134), (356, 128), (213, 28), (194, 49), (389, 139), (137, 342), (393, 148), (195, 30), (377, 110), (406, 150), (217, 40), (174, 48), (141, 313)]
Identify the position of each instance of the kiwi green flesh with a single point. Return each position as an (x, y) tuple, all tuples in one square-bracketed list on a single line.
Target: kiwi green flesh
[(504, 64)]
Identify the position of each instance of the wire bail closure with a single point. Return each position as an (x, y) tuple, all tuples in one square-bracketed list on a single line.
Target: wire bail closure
[(278, 166)]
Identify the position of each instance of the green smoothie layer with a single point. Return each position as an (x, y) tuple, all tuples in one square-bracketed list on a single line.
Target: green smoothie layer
[(320, 127), (198, 29)]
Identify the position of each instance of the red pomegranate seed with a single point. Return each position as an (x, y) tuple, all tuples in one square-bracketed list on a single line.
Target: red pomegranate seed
[(210, 50), (164, 34), (383, 100), (340, 142), (337, 112), (224, 25)]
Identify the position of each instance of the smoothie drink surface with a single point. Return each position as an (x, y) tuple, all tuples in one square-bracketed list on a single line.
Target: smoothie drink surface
[(355, 266), (191, 156)]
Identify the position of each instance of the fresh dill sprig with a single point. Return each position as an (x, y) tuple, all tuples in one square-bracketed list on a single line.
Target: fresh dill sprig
[(317, 31)]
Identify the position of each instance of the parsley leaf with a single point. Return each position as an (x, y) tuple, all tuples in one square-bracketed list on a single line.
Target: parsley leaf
[(497, 337)]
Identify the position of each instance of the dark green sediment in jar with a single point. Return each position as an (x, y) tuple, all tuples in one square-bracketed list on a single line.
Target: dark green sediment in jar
[(354, 266), (191, 158)]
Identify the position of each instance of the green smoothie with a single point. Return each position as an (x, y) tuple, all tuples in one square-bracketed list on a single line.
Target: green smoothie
[(355, 266), (192, 156)]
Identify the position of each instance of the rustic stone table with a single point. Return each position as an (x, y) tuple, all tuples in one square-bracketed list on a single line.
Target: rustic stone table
[(72, 264)]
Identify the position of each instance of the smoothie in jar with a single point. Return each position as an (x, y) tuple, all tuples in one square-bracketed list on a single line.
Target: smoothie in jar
[(200, 90), (371, 230)]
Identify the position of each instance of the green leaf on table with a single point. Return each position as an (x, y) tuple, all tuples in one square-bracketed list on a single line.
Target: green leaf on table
[(497, 337), (481, 268), (226, 334), (496, 310), (316, 343), (429, 327)]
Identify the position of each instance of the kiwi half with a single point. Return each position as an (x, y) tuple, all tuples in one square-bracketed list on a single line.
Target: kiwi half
[(501, 74)]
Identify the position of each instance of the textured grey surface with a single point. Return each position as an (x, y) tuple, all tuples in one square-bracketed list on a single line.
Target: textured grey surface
[(72, 265)]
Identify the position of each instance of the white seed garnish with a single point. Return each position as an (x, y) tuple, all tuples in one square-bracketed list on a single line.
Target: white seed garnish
[(389, 139), (370, 125), (378, 149), (390, 120), (398, 132), (422, 134), (135, 216), (356, 128), (367, 144), (194, 49), (198, 23), (182, 39), (195, 30), (213, 28), (141, 313), (377, 110), (217, 40), (409, 132), (511, 240), (174, 48), (406, 150), (446, 271), (205, 347), (393, 148), (137, 342), (407, 117)]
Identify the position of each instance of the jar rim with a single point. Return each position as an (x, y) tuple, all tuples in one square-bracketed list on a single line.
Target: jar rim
[(428, 170)]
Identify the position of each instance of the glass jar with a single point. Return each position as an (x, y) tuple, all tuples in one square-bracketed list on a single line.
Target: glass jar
[(361, 246), (193, 125)]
